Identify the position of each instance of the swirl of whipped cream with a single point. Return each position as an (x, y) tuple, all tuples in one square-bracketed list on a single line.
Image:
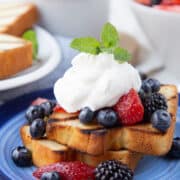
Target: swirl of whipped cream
[(95, 81)]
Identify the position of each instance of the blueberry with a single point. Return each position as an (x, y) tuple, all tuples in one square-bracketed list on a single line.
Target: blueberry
[(175, 149), (21, 156), (38, 128), (161, 120), (86, 115), (145, 90), (154, 84), (34, 112), (143, 76), (155, 2), (47, 107), (50, 176), (107, 117)]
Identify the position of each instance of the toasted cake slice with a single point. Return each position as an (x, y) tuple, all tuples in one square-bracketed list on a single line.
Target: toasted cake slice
[(96, 140), (15, 18), (15, 55), (45, 152)]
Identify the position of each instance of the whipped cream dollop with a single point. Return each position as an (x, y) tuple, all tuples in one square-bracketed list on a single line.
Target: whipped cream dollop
[(95, 81)]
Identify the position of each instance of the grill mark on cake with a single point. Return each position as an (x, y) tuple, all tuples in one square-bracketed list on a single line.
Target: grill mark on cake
[(98, 132), (50, 121), (61, 151)]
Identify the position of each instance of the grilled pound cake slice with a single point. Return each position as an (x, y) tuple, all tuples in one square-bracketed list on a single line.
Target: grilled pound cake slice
[(96, 140), (15, 18), (15, 55), (45, 152)]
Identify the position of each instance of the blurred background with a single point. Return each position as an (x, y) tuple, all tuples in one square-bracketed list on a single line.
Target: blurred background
[(150, 34)]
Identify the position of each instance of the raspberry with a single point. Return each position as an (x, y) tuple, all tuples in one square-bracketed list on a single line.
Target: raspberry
[(68, 171), (129, 108), (113, 169)]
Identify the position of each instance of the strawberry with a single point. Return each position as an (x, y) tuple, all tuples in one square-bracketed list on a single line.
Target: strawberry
[(59, 109), (39, 101), (129, 108), (170, 8), (68, 171), (145, 2), (170, 2)]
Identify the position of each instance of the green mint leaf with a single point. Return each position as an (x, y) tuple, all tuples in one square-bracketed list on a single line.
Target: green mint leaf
[(109, 36), (121, 55), (86, 44), (30, 35)]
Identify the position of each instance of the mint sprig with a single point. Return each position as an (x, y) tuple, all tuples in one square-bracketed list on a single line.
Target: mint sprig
[(86, 44), (109, 36), (109, 43), (30, 35), (121, 54)]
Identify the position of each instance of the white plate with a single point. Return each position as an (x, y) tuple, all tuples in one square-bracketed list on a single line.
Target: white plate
[(49, 56)]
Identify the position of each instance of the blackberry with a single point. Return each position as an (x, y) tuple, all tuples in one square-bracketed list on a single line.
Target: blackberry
[(153, 103), (113, 170)]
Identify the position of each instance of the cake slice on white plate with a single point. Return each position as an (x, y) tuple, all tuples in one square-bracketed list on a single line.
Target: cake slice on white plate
[(16, 54), (15, 18)]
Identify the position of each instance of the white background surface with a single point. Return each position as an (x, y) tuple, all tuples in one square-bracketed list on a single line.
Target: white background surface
[(123, 18)]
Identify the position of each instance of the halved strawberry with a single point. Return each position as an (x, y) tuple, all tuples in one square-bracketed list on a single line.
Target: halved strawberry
[(170, 8), (130, 108), (68, 171)]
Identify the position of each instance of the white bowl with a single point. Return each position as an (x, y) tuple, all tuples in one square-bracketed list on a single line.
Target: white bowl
[(162, 29)]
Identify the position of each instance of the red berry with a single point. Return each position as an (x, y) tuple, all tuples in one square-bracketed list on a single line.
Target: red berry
[(171, 2), (129, 108), (39, 101), (171, 8), (145, 2), (68, 171), (59, 109)]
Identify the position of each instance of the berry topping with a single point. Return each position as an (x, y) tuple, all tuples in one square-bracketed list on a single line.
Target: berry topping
[(34, 112), (170, 8), (171, 2), (39, 101), (145, 90), (22, 157), (47, 107), (143, 76), (155, 2), (86, 115), (161, 120), (107, 117), (129, 108), (59, 109), (50, 176), (114, 170), (153, 103), (154, 84), (68, 170), (175, 149), (38, 128)]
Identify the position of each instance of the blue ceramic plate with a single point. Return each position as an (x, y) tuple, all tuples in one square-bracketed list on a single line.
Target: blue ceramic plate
[(12, 118)]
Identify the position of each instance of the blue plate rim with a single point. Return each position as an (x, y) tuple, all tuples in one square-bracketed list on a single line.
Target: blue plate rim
[(24, 98)]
